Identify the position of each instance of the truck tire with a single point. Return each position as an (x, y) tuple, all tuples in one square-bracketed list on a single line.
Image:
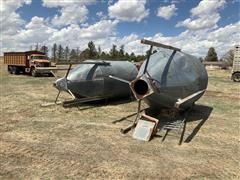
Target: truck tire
[(15, 70), (33, 72), (50, 75), (236, 77), (10, 70)]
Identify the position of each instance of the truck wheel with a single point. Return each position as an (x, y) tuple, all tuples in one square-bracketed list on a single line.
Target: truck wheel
[(33, 72), (50, 75), (15, 70), (10, 69), (236, 77)]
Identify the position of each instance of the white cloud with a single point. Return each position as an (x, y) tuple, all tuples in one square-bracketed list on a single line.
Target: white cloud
[(71, 12), (64, 3), (20, 35), (38, 31), (167, 12), (11, 6), (133, 10), (204, 16), (73, 34), (207, 7), (198, 43), (67, 16), (11, 21)]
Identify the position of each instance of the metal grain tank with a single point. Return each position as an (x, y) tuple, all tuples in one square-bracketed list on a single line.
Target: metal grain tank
[(170, 79), (91, 79)]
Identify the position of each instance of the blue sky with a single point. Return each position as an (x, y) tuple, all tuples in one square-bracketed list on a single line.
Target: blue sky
[(182, 23)]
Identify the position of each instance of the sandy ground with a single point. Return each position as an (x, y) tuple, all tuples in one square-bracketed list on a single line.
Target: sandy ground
[(84, 143)]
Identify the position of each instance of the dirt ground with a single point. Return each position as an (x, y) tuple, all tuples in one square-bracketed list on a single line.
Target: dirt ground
[(84, 143)]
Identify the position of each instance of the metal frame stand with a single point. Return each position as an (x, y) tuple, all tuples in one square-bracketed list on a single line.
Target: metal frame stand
[(178, 125), (124, 131)]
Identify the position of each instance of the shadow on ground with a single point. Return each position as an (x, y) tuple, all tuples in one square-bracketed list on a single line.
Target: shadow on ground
[(199, 113), (97, 103)]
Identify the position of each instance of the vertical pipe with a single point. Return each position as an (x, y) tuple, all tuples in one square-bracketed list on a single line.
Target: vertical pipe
[(149, 54)]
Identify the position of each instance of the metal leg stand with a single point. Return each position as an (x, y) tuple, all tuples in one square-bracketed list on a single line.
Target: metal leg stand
[(124, 131), (57, 97)]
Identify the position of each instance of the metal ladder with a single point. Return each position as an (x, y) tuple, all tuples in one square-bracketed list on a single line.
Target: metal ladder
[(176, 125)]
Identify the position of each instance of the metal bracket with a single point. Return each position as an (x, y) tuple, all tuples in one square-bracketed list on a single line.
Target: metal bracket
[(152, 43), (119, 79), (181, 101)]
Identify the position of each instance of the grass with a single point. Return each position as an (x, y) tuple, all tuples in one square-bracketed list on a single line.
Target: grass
[(61, 143)]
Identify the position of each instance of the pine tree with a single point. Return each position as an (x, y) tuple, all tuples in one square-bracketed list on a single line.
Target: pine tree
[(132, 57), (54, 52), (113, 52), (66, 53), (121, 52), (92, 50), (211, 55), (44, 49), (37, 47), (60, 53), (228, 57), (99, 51), (73, 55), (103, 55), (78, 53), (127, 56)]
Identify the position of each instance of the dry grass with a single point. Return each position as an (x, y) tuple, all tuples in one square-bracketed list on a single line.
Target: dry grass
[(61, 143)]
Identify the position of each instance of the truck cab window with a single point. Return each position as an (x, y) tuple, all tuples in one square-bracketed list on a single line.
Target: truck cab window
[(39, 57)]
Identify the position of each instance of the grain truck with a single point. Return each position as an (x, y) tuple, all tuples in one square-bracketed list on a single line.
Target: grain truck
[(32, 62), (236, 64)]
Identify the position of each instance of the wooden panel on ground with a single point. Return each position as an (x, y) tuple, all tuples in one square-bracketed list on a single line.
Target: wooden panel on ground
[(145, 128)]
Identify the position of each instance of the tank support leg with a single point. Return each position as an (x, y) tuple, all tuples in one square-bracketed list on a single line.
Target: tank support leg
[(57, 97), (135, 121)]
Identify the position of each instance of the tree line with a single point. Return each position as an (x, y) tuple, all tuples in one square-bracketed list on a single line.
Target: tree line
[(65, 54)]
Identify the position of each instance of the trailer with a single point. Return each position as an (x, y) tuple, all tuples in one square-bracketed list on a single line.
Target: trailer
[(34, 63), (236, 64)]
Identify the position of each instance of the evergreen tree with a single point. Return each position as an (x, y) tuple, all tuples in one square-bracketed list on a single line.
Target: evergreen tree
[(78, 53), (211, 55), (44, 49), (92, 50), (66, 53), (54, 52), (121, 52), (99, 51), (60, 53), (85, 54), (113, 52), (140, 58), (73, 55), (37, 47), (127, 56), (228, 57), (105, 56), (132, 57)]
